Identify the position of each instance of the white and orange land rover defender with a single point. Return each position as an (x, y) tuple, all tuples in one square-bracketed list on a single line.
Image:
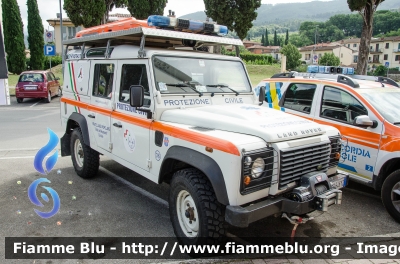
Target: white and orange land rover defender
[(154, 100), (366, 111)]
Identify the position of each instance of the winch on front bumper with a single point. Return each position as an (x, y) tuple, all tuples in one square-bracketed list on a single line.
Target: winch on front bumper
[(316, 192)]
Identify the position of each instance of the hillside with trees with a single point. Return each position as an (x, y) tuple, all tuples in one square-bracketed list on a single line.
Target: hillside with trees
[(282, 17)]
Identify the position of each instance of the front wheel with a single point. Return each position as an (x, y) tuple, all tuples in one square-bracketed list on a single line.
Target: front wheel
[(86, 160), (19, 100), (196, 215), (48, 99), (391, 194), (59, 93)]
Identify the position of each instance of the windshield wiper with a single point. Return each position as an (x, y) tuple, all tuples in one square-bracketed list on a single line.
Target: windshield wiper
[(181, 85), (223, 86), (396, 123)]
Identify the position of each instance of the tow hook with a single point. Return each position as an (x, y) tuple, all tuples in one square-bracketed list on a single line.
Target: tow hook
[(296, 220)]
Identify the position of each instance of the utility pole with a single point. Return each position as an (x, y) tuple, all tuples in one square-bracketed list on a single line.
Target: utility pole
[(61, 38), (4, 90)]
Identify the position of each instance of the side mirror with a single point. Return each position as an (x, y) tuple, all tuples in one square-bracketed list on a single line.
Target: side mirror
[(261, 96), (57, 78), (364, 121), (136, 93)]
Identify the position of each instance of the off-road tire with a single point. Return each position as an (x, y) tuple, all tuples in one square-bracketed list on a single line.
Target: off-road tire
[(209, 211), (19, 100), (389, 197), (87, 165)]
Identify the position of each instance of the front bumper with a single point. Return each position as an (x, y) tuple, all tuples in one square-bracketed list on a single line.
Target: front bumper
[(242, 216)]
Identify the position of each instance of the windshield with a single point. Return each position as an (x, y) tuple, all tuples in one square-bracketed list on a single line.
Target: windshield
[(386, 101), (199, 75)]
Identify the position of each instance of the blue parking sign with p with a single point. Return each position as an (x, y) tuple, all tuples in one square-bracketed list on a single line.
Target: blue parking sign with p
[(49, 50)]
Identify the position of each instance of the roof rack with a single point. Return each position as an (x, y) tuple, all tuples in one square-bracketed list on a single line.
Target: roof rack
[(388, 81), (347, 80), (284, 75), (140, 36)]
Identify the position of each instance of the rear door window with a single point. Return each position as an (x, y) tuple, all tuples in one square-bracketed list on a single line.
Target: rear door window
[(299, 97)]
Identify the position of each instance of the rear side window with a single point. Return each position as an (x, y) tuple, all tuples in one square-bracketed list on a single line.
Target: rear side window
[(340, 105), (103, 80), (299, 97), (49, 77)]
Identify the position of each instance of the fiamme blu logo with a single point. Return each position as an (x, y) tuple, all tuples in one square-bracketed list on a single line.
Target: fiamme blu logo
[(49, 165)]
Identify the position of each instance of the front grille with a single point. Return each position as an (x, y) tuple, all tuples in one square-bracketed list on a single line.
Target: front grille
[(295, 162), (336, 146)]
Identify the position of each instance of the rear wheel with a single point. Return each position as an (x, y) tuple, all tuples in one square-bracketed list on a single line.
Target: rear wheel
[(86, 160), (196, 215), (48, 99), (19, 100), (59, 93), (391, 194)]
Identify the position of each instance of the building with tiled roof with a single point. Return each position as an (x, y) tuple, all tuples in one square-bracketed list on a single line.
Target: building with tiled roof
[(311, 54)]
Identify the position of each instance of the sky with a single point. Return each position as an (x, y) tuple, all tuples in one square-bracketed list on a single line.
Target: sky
[(49, 8)]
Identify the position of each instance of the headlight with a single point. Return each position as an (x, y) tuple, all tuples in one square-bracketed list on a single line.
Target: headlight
[(258, 168)]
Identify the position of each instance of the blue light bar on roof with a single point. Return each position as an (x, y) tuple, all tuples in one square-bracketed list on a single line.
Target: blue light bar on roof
[(185, 24), (330, 69)]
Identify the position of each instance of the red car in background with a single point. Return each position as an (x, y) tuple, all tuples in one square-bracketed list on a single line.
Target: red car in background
[(37, 84)]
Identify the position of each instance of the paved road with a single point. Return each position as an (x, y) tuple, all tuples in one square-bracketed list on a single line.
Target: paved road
[(121, 203)]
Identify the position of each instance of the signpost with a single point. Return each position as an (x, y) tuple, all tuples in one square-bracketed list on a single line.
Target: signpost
[(387, 69), (49, 51)]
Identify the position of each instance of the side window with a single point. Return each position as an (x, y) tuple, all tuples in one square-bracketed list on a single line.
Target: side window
[(299, 97), (103, 80), (340, 105), (133, 74), (52, 75), (49, 77)]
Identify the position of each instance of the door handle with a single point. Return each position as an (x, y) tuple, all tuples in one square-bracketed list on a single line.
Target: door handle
[(91, 116), (117, 125)]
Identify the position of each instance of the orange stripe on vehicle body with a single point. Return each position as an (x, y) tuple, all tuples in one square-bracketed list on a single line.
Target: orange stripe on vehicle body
[(145, 123), (100, 110), (363, 136), (194, 137), (184, 134), (74, 102)]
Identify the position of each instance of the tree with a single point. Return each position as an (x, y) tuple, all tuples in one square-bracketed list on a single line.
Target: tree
[(110, 4), (293, 56), (275, 39), (287, 37), (142, 9), (380, 71), (237, 15), (262, 40), (86, 13), (35, 36), (300, 40), (266, 37), (329, 59), (13, 36), (366, 8)]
